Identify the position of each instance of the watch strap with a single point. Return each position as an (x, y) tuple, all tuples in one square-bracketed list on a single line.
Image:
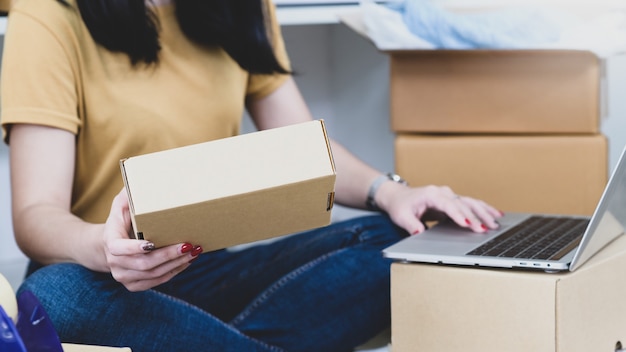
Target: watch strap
[(371, 202)]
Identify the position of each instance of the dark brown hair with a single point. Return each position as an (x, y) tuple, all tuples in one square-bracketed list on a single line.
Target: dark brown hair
[(238, 26)]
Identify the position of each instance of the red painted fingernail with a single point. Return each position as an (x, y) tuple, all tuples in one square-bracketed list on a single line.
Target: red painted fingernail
[(467, 221), (186, 247), (501, 212), (196, 250), (484, 227), (416, 232)]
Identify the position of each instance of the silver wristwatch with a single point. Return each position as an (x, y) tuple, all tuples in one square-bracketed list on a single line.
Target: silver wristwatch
[(370, 202)]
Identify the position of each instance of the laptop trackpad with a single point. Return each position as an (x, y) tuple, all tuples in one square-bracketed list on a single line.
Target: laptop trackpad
[(449, 233)]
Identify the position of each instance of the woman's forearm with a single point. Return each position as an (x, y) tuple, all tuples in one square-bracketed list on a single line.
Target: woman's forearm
[(42, 172), (354, 177), (49, 235)]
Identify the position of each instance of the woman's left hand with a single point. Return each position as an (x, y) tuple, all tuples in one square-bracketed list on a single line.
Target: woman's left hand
[(408, 206), (136, 263)]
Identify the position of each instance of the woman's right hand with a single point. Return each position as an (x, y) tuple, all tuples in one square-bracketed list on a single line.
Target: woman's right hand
[(136, 263)]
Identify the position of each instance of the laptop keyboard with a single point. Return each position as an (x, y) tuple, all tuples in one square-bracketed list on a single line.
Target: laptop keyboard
[(538, 237)]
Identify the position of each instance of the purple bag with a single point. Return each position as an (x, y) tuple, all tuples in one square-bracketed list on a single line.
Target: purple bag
[(10, 340), (33, 332)]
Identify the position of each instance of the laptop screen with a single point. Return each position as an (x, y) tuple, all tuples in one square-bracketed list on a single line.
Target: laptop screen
[(609, 218)]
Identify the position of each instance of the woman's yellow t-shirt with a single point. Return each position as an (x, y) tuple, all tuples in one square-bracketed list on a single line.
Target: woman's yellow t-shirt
[(54, 74)]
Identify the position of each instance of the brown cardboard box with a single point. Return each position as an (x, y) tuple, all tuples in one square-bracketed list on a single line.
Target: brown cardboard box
[(547, 174), (445, 308), (495, 91), (234, 190), (5, 6), (550, 91)]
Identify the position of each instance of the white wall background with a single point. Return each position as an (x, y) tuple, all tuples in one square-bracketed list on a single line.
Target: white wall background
[(8, 249), (344, 80), (614, 125)]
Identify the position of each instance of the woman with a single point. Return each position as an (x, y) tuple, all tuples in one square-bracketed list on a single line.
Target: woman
[(88, 82)]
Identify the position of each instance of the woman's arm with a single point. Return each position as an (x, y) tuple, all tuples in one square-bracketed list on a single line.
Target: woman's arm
[(42, 169), (286, 106), (405, 205)]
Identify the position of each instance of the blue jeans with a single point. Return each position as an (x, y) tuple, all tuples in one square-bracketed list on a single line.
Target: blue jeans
[(323, 290)]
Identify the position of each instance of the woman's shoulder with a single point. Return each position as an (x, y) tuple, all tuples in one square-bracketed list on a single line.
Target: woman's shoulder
[(45, 10), (59, 17)]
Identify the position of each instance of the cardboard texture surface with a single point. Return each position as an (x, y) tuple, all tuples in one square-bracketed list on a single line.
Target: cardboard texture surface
[(495, 91), (447, 308), (5, 5), (234, 190), (546, 174)]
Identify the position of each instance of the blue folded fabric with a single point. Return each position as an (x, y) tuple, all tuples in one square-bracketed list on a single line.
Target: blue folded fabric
[(514, 28)]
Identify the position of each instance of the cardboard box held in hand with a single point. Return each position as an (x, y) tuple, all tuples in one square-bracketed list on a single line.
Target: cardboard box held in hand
[(234, 190)]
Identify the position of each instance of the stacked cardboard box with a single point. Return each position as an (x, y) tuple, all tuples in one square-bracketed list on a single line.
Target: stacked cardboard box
[(449, 309), (519, 129)]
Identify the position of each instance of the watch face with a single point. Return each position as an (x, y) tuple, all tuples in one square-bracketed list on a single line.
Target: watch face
[(397, 178)]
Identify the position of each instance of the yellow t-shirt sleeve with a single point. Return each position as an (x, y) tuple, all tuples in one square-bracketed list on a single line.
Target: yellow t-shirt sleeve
[(38, 84), (260, 86)]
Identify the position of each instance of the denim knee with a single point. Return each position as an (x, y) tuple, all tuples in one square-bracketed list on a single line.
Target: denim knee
[(377, 230), (52, 278)]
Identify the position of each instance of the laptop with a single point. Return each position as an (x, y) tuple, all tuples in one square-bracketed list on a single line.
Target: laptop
[(552, 243)]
